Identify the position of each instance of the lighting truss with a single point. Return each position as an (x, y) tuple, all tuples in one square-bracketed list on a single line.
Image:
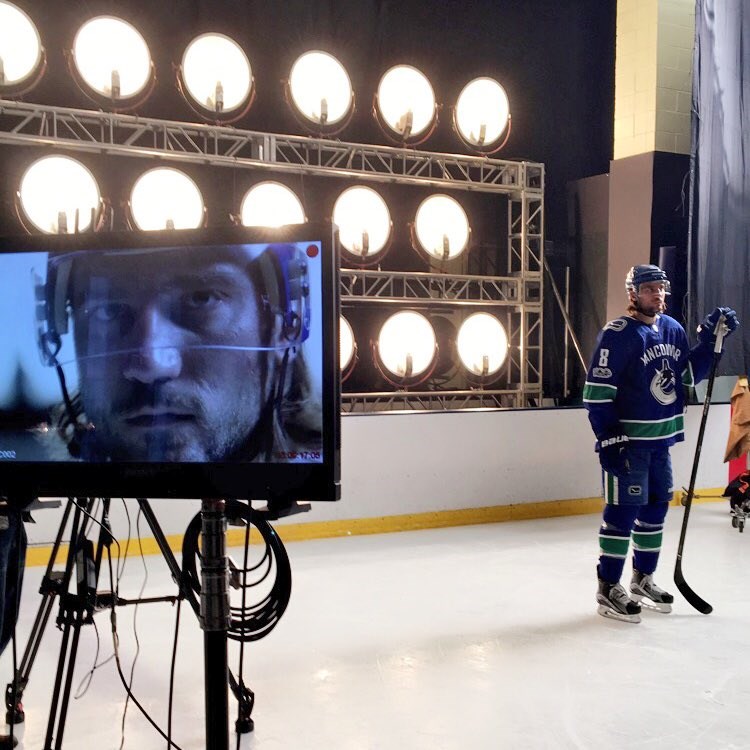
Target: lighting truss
[(130, 135), (437, 288), (411, 401), (518, 298)]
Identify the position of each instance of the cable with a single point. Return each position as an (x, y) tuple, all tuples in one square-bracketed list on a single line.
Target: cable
[(100, 525), (254, 621), (115, 642), (171, 674), (115, 584), (120, 571), (241, 663), (89, 676), (135, 628), (81, 691)]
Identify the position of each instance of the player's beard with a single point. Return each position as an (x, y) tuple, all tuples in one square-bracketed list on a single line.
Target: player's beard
[(651, 310)]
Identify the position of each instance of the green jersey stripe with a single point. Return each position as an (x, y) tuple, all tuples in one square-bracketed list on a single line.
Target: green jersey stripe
[(599, 392), (662, 428)]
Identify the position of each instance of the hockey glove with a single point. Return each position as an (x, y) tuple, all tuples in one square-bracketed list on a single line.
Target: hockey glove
[(707, 329), (613, 455)]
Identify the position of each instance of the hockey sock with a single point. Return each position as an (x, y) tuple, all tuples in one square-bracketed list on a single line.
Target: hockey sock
[(614, 537), (647, 536)]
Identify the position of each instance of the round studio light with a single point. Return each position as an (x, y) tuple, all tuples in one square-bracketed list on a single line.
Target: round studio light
[(166, 198), (347, 347), (406, 347), (364, 223), (482, 114), (405, 103), (216, 76), (482, 344), (271, 204), (59, 195), (21, 51), (112, 59), (441, 227), (321, 91)]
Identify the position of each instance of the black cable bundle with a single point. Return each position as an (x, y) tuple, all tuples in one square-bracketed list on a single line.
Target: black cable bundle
[(254, 620)]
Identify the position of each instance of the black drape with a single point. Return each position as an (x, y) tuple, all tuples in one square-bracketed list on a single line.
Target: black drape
[(720, 222)]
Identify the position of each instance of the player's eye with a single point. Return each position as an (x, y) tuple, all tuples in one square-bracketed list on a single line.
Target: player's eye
[(106, 312), (202, 299)]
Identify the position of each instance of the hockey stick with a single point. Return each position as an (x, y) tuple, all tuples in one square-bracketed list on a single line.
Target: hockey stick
[(692, 598)]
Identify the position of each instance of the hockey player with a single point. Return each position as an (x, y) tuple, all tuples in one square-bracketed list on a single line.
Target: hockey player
[(635, 403)]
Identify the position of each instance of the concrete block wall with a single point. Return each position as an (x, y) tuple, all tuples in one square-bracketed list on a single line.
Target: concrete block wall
[(635, 77), (675, 42), (653, 76)]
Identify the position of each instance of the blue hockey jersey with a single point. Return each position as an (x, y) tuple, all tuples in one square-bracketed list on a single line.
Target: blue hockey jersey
[(634, 383)]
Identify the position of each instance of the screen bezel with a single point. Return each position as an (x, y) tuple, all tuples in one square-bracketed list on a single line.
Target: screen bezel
[(277, 482)]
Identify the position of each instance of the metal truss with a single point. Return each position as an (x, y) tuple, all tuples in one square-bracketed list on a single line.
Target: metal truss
[(130, 135), (436, 288), (353, 403), (526, 235)]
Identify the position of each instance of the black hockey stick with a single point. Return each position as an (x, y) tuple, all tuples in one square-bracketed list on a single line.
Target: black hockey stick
[(692, 598)]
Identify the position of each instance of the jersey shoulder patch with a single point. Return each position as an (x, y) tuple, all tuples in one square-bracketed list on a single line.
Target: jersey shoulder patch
[(618, 324)]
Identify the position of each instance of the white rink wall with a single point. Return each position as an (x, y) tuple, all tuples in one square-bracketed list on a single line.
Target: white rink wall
[(395, 464)]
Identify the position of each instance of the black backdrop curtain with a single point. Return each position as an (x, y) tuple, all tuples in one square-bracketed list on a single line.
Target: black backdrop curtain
[(720, 258)]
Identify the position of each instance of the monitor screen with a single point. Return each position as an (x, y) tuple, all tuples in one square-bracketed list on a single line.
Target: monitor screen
[(170, 364)]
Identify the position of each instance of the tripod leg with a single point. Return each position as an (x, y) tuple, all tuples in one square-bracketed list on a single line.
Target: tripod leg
[(14, 691), (61, 662), (49, 588), (72, 608), (69, 677), (174, 568)]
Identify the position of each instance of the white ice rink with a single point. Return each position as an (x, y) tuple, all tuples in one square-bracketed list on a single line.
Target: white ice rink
[(475, 637)]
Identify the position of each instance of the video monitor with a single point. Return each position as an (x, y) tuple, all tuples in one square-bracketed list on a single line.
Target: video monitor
[(175, 364)]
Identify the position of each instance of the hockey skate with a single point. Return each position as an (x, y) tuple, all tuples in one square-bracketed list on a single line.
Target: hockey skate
[(615, 603), (648, 594)]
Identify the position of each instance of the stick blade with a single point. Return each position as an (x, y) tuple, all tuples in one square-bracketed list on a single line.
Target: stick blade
[(690, 596)]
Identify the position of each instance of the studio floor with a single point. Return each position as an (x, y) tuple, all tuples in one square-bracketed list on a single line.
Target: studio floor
[(480, 637)]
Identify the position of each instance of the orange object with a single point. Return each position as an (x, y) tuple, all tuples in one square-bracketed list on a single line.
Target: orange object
[(738, 443)]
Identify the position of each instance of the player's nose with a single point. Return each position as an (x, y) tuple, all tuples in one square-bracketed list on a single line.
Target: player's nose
[(157, 352)]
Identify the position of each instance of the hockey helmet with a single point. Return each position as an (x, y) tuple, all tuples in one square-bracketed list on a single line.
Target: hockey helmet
[(643, 274)]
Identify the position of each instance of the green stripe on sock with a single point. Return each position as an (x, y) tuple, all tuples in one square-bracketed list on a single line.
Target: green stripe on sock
[(610, 485), (613, 545), (649, 541)]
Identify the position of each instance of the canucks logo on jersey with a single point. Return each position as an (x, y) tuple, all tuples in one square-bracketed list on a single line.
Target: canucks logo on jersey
[(664, 384), (634, 382)]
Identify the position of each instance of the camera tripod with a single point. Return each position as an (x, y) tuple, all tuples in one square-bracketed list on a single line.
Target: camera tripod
[(207, 592)]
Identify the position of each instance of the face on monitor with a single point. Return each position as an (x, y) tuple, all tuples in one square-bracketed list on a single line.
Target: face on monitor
[(179, 351), (200, 353)]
